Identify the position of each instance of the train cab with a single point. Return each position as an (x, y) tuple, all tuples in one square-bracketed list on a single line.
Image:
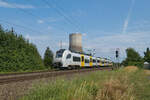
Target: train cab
[(58, 59)]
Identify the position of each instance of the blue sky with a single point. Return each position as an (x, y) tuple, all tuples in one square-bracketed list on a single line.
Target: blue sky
[(104, 24)]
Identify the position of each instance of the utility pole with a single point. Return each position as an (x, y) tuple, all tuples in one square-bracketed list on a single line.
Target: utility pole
[(89, 51), (61, 44), (12, 30), (94, 52)]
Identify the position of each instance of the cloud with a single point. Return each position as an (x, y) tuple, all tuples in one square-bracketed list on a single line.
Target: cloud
[(37, 37), (49, 27), (140, 25), (40, 21), (46, 40), (78, 13), (63, 44), (41, 42), (14, 5), (106, 45), (51, 19), (84, 34), (125, 26)]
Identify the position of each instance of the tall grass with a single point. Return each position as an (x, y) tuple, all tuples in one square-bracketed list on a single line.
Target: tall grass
[(101, 85)]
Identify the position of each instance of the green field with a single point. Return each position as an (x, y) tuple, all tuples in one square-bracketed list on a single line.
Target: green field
[(101, 85)]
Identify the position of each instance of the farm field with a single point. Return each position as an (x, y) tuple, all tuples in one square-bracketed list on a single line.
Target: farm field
[(129, 83)]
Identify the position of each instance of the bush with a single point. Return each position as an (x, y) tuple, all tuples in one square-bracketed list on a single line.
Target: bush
[(133, 58)]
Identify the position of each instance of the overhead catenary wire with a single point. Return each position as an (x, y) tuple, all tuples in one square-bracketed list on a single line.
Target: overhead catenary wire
[(33, 15), (62, 14), (70, 17), (23, 27)]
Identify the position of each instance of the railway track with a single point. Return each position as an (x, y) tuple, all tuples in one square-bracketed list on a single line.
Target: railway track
[(19, 77)]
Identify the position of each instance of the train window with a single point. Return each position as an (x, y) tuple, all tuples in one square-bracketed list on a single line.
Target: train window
[(76, 59), (98, 61), (60, 53), (90, 59), (86, 61), (102, 62), (82, 58), (68, 56), (94, 61)]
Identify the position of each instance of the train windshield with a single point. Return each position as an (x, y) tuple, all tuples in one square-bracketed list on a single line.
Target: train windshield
[(60, 53)]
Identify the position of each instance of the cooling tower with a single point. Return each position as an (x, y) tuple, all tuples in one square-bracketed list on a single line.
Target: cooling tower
[(75, 42)]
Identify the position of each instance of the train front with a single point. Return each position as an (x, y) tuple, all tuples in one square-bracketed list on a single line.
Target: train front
[(58, 58)]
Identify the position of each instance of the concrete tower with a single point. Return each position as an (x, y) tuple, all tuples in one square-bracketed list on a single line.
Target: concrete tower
[(75, 42)]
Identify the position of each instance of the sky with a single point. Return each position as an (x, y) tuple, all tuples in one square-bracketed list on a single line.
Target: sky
[(105, 24)]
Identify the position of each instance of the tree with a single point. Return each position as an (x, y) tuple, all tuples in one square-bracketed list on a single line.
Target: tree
[(147, 55), (17, 54), (48, 58), (133, 58), (1, 29)]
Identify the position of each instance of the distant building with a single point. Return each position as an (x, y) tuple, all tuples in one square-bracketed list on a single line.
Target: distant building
[(146, 65), (75, 42)]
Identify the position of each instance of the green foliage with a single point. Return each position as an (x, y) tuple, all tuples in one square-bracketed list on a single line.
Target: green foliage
[(103, 85), (147, 55), (133, 58), (48, 58), (17, 54)]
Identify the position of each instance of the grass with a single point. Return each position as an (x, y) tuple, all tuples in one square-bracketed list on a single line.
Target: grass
[(102, 85)]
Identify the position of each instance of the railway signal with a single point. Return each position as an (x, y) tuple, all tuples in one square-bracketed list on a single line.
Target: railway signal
[(117, 56), (117, 53)]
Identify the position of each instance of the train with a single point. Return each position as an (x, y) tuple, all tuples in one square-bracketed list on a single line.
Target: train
[(67, 59)]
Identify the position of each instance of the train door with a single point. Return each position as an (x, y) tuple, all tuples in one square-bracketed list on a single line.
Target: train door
[(104, 62), (91, 62), (100, 63), (68, 60), (82, 61)]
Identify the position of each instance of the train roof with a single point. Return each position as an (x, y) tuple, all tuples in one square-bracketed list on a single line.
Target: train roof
[(82, 53), (62, 50)]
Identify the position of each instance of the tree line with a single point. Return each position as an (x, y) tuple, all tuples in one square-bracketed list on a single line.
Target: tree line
[(17, 54), (134, 58)]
